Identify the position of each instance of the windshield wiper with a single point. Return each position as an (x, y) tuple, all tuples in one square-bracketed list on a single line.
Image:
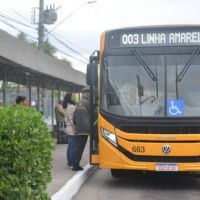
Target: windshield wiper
[(188, 64), (145, 66)]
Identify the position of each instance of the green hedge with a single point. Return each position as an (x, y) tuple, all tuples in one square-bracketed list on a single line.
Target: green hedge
[(25, 154)]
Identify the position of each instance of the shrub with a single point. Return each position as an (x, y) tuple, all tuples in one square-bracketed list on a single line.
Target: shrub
[(25, 154)]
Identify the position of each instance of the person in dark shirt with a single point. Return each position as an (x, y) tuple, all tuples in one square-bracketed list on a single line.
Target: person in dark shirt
[(81, 121)]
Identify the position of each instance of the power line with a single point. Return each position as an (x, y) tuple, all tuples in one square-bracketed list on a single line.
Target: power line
[(67, 46), (36, 39), (16, 21), (10, 25), (72, 43), (25, 18), (68, 16), (53, 35), (11, 19), (22, 16), (63, 20), (70, 56), (14, 27)]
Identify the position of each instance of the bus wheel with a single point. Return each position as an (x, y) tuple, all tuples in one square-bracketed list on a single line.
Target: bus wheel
[(117, 173)]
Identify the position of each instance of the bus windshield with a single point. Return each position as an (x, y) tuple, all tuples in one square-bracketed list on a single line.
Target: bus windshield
[(140, 85)]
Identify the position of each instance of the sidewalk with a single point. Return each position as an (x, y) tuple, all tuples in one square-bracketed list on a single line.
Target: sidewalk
[(61, 173)]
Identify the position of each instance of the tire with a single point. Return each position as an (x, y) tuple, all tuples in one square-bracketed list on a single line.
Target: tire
[(117, 173)]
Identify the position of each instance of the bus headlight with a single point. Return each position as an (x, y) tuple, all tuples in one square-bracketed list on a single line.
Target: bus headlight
[(109, 137)]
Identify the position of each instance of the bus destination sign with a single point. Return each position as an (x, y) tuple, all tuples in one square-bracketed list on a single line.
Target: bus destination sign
[(159, 39)]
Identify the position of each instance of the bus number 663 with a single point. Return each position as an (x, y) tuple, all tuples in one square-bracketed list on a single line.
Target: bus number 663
[(139, 149)]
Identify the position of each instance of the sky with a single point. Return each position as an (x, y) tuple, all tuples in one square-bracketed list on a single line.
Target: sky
[(79, 24)]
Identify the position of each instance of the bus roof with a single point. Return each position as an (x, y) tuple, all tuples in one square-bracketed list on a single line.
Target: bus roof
[(156, 27)]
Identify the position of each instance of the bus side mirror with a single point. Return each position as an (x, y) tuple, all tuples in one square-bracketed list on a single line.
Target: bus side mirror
[(92, 74), (88, 74), (95, 74)]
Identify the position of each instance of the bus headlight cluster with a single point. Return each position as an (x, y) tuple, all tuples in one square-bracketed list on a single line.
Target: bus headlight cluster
[(111, 137)]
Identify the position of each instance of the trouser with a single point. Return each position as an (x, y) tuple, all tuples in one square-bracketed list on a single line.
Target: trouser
[(78, 149), (70, 147)]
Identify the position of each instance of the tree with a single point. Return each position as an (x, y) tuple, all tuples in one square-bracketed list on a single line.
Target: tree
[(48, 48), (22, 36), (26, 146), (67, 62)]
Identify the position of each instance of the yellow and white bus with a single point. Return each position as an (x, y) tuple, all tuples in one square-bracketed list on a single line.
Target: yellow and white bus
[(145, 92)]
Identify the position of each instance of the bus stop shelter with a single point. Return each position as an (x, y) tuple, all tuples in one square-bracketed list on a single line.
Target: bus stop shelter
[(24, 70)]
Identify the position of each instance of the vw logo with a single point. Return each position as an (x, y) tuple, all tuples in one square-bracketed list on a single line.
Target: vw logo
[(166, 149)]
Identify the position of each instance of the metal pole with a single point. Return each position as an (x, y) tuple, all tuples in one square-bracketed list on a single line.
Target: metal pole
[(29, 92), (38, 97), (41, 25), (52, 108), (5, 82)]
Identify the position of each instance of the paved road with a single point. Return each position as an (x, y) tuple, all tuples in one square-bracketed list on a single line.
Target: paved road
[(150, 186), (61, 173)]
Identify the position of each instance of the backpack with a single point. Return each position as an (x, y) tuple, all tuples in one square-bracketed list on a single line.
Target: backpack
[(81, 117)]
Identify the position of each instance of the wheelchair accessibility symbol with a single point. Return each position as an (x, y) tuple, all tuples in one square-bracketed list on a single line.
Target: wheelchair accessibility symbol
[(175, 108)]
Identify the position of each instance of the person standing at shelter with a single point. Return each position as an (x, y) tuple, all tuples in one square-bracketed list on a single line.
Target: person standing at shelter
[(60, 115), (22, 100), (60, 130), (82, 123), (69, 108)]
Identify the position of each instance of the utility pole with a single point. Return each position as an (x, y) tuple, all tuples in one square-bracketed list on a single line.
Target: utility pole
[(41, 25), (47, 16)]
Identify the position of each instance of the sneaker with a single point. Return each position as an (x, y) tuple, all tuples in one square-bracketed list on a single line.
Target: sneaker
[(77, 168), (70, 166)]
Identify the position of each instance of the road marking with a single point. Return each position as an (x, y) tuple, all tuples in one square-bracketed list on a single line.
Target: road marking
[(73, 185)]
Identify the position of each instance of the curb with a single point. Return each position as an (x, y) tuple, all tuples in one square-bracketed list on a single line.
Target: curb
[(73, 185)]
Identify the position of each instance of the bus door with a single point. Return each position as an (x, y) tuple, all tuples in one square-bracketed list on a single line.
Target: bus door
[(92, 81)]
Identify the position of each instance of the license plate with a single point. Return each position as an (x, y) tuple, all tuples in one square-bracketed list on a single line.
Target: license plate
[(166, 167)]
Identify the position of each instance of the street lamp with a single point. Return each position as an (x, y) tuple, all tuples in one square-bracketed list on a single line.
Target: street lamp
[(68, 16)]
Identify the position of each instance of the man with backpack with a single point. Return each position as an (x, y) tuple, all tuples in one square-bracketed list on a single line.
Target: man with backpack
[(81, 120)]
